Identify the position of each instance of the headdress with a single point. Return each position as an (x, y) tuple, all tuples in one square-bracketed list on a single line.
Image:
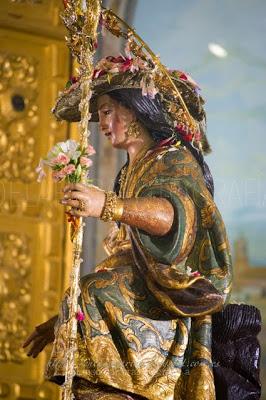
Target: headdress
[(141, 69)]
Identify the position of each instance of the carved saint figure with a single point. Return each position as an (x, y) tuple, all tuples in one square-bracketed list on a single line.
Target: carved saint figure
[(149, 309)]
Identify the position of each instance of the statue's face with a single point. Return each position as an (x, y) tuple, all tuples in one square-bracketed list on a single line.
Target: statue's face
[(114, 120)]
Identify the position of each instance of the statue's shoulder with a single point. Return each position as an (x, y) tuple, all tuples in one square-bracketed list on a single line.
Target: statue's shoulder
[(165, 164), (175, 160)]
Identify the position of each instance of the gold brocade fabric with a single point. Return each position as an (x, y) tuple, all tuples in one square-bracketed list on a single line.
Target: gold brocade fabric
[(147, 325)]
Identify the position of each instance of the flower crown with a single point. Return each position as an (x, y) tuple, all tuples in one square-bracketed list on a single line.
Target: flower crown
[(140, 67), (134, 72)]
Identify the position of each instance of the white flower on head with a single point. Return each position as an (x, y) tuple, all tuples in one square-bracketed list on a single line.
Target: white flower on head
[(148, 86)]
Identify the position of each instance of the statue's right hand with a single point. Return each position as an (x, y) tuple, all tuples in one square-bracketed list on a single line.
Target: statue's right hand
[(41, 336)]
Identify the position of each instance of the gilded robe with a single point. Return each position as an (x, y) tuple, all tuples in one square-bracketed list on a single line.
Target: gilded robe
[(147, 326)]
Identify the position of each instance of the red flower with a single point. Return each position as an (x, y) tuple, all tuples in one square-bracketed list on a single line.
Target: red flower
[(188, 137), (126, 65), (97, 73), (165, 142), (116, 60), (182, 130), (74, 79), (183, 76)]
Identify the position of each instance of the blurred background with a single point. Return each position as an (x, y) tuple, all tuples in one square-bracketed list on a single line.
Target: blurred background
[(222, 45)]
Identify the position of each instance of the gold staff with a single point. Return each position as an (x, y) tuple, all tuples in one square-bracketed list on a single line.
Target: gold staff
[(81, 18)]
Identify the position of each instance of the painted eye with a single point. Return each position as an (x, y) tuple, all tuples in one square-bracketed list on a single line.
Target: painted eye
[(107, 112)]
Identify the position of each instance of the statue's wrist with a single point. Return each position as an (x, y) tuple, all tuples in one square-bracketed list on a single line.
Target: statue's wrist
[(113, 208)]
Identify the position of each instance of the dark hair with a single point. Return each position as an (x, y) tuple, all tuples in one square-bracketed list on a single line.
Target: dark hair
[(151, 114)]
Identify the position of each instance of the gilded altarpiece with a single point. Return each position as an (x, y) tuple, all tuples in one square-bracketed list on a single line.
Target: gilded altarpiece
[(34, 262)]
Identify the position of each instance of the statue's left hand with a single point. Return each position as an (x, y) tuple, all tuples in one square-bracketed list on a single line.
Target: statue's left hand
[(86, 201), (41, 336)]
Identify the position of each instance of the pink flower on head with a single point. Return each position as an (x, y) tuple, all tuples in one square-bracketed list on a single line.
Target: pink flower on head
[(197, 136), (186, 77), (126, 65), (114, 70), (85, 162), (69, 169), (137, 64), (61, 159), (90, 150)]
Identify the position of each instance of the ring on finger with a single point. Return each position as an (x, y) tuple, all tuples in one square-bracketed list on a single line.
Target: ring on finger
[(82, 205)]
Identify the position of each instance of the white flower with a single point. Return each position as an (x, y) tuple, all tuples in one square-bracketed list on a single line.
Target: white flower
[(70, 148), (188, 270), (40, 171)]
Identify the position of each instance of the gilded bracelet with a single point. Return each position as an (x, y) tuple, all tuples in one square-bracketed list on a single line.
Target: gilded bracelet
[(113, 207)]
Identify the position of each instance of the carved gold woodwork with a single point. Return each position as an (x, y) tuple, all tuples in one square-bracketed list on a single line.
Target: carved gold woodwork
[(18, 116), (15, 297), (40, 17), (35, 254)]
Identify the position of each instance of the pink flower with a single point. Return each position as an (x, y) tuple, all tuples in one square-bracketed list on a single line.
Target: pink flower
[(117, 60), (90, 150), (138, 64), (186, 77), (61, 159), (190, 273), (126, 65), (85, 162), (80, 316), (114, 70), (197, 136), (69, 169), (97, 73), (118, 64), (195, 273), (58, 175)]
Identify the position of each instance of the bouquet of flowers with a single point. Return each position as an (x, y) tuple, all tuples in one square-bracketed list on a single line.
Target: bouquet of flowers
[(68, 160)]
